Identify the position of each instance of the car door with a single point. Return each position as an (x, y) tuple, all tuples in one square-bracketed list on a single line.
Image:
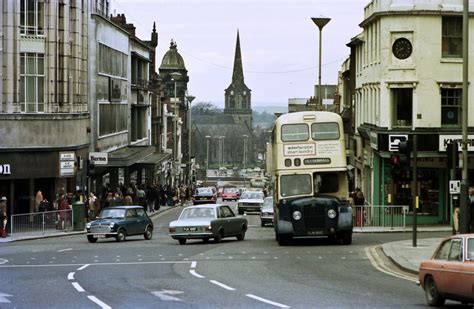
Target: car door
[(142, 220), (466, 276), (453, 266), (231, 223), (439, 263), (131, 222)]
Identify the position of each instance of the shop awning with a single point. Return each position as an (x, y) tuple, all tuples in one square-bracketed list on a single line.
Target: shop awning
[(128, 156), (155, 158)]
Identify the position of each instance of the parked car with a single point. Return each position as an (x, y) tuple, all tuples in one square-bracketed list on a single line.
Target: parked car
[(204, 195), (266, 213), (215, 221), (120, 222), (229, 194), (250, 201), (449, 274)]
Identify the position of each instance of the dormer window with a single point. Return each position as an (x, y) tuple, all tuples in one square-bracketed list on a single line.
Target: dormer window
[(232, 92), (245, 92)]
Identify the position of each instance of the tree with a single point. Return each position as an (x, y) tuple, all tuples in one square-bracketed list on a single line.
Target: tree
[(205, 108)]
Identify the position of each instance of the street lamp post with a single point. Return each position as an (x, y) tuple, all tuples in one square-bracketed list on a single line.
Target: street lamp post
[(174, 77), (245, 155), (207, 155), (190, 99), (320, 22)]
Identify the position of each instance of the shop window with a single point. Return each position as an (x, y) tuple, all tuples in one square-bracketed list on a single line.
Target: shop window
[(451, 106), (402, 100), (451, 46)]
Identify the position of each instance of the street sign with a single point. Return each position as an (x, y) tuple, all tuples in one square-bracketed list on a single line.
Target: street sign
[(394, 140), (454, 187), (99, 158), (66, 163)]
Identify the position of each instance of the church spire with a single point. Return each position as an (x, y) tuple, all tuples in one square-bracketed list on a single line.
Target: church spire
[(238, 73)]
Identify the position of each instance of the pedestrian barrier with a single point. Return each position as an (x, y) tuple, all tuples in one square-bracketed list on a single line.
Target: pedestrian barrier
[(379, 217), (58, 220)]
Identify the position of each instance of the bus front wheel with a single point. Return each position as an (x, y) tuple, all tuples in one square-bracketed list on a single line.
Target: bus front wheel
[(346, 237), (283, 239)]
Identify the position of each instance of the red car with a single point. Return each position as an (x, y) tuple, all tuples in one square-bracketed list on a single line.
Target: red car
[(449, 274), (230, 194)]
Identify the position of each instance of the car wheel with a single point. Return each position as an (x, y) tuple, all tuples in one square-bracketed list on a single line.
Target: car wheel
[(121, 235), (284, 239), (205, 240), (148, 233), (241, 212), (219, 236), (91, 239), (432, 294), (182, 241), (241, 236), (263, 224), (346, 238)]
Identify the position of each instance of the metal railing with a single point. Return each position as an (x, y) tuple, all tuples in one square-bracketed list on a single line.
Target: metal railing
[(380, 217), (42, 222)]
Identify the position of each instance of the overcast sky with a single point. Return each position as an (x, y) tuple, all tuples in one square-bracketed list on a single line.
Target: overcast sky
[(279, 42)]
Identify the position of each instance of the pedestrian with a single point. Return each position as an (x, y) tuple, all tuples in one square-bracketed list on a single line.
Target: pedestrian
[(3, 217), (470, 203), (63, 205), (141, 197), (38, 199), (359, 202)]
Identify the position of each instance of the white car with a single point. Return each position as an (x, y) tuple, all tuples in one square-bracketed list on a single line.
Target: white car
[(250, 201)]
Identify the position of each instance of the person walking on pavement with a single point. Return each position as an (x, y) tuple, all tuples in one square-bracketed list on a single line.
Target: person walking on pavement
[(471, 209), (359, 201), (3, 217)]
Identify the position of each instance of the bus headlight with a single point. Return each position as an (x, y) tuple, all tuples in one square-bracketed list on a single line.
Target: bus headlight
[(332, 213), (297, 215)]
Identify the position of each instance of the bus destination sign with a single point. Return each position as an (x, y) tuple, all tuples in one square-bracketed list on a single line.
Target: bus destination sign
[(316, 161), (299, 150)]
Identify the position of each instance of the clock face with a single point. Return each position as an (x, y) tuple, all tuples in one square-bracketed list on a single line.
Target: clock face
[(402, 48)]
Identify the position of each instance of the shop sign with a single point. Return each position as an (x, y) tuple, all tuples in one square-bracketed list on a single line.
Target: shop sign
[(374, 142), (5, 169), (66, 163), (444, 140), (99, 158), (299, 150), (394, 141)]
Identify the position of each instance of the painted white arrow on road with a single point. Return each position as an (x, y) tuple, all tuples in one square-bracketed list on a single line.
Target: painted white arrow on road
[(166, 295), (3, 298)]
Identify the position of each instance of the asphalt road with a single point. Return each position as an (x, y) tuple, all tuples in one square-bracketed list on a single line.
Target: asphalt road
[(69, 272)]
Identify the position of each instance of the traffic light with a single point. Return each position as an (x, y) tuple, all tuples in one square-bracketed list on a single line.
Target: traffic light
[(395, 164), (90, 168), (404, 149), (452, 155)]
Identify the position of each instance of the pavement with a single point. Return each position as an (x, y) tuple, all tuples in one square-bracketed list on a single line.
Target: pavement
[(401, 253)]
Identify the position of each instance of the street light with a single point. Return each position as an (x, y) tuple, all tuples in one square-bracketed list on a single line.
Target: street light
[(174, 77), (320, 22), (245, 155), (189, 99), (207, 155)]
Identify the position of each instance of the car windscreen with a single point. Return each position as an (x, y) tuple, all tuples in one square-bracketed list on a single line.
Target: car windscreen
[(112, 213), (197, 212), (252, 196), (268, 202), (229, 190), (204, 191)]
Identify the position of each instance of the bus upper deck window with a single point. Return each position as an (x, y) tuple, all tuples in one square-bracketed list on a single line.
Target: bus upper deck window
[(294, 132), (325, 131)]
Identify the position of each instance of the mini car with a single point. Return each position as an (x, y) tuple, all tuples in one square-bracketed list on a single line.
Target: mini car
[(215, 221), (120, 222), (449, 274), (229, 194), (250, 201), (266, 213), (204, 195)]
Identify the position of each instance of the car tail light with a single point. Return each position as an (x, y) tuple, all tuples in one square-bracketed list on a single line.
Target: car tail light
[(172, 230)]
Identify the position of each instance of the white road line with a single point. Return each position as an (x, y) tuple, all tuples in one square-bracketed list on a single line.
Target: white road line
[(3, 261), (83, 267), (70, 276), (193, 264), (222, 285), (96, 264), (267, 301), (99, 302), (78, 287), (195, 274), (63, 250)]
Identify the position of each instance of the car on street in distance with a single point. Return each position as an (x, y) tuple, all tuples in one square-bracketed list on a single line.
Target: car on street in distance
[(120, 222), (449, 274), (207, 221), (229, 194), (250, 201), (266, 213), (204, 195)]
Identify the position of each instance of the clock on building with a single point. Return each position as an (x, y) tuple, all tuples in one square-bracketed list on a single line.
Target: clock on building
[(402, 48)]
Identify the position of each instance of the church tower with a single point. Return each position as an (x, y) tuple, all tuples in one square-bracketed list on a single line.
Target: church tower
[(237, 95)]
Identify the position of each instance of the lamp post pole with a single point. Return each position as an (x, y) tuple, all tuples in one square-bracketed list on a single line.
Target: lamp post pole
[(245, 155), (174, 77), (207, 155), (320, 22), (190, 99)]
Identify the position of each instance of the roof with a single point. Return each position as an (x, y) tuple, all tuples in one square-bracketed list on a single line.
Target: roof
[(172, 59)]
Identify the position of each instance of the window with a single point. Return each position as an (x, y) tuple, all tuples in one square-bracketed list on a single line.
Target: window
[(325, 131), (141, 212), (31, 17), (32, 82), (452, 37), (443, 252), (451, 106), (112, 62), (455, 254), (470, 249), (402, 99), (294, 132), (326, 183), (112, 118), (295, 185)]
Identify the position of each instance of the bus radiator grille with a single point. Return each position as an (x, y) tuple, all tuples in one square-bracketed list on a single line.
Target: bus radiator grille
[(314, 217)]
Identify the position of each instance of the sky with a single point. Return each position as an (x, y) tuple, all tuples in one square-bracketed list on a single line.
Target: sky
[(279, 42)]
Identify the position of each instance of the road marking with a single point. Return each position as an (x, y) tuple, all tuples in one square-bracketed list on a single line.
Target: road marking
[(78, 287), (83, 267), (96, 264), (379, 265), (63, 250), (195, 274), (70, 276), (166, 295), (267, 301), (3, 298), (222, 285), (3, 261), (193, 264), (99, 302)]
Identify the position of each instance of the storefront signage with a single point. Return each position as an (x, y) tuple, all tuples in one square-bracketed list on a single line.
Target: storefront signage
[(374, 142), (99, 158), (454, 187), (315, 161), (444, 140), (299, 150), (5, 169), (394, 141), (66, 163)]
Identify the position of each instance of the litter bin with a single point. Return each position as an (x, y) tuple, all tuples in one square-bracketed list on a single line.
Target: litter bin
[(78, 216)]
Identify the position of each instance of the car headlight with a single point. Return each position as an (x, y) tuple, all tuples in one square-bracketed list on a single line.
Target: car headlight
[(111, 225), (332, 213), (88, 225), (297, 215)]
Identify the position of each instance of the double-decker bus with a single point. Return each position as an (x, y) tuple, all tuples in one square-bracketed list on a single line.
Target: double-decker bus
[(307, 162)]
